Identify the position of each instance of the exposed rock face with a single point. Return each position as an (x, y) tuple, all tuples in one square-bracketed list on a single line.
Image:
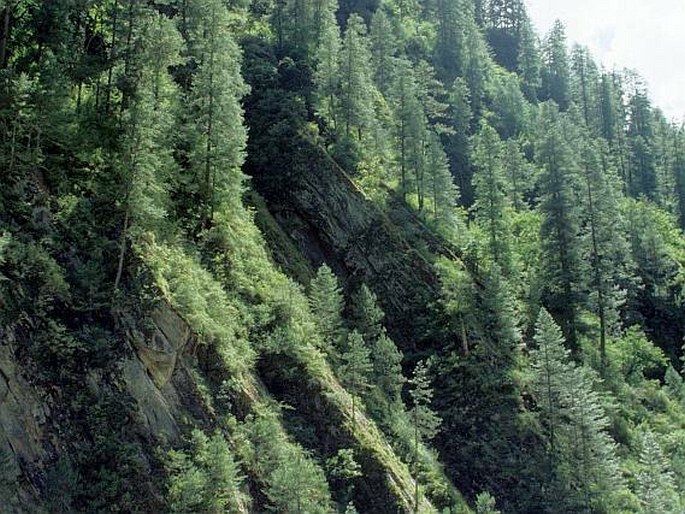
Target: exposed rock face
[(31, 435), (329, 219), (160, 354), (23, 417)]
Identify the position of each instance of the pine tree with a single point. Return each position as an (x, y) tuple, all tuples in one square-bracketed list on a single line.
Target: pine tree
[(424, 421), (410, 127), (296, 484), (457, 296), (529, 63), (355, 369), (456, 141), (326, 302), (549, 363), (492, 201), (642, 169), (520, 175), (327, 73), (452, 23), (383, 49), (387, 368), (356, 94), (147, 165), (476, 69), (443, 193), (606, 248), (555, 72), (206, 479), (581, 459), (561, 224), (678, 142), (585, 87), (656, 487), (367, 315), (217, 136)]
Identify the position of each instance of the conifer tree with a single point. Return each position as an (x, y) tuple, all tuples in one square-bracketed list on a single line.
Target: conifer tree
[(561, 224), (326, 302), (549, 363), (555, 72), (520, 175), (367, 315), (581, 460), (410, 127), (147, 163), (327, 73), (387, 368), (355, 369), (356, 94), (452, 21), (444, 194), (607, 248), (217, 135), (529, 64), (296, 484), (492, 201), (386, 377), (642, 169), (456, 141), (656, 488), (425, 422), (383, 49), (585, 87)]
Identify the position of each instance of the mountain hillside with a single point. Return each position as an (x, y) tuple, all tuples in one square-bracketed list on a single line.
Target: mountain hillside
[(309, 256)]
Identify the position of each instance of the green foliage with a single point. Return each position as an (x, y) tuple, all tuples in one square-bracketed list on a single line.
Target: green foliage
[(561, 222), (206, 478), (581, 456), (491, 204), (201, 300), (293, 482), (425, 421), (216, 134), (123, 143), (355, 368), (326, 302), (63, 486), (485, 504), (656, 488)]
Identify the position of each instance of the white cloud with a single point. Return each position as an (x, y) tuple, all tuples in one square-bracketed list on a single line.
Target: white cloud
[(648, 36)]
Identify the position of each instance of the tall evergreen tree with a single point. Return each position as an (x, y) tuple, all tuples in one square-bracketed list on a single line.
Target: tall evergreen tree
[(642, 169), (440, 184), (492, 202), (529, 63), (383, 48), (410, 127), (327, 73), (356, 94), (147, 161), (425, 422), (607, 248), (561, 224), (656, 487), (581, 459), (453, 17), (326, 302), (217, 135), (585, 87), (355, 369), (555, 72)]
